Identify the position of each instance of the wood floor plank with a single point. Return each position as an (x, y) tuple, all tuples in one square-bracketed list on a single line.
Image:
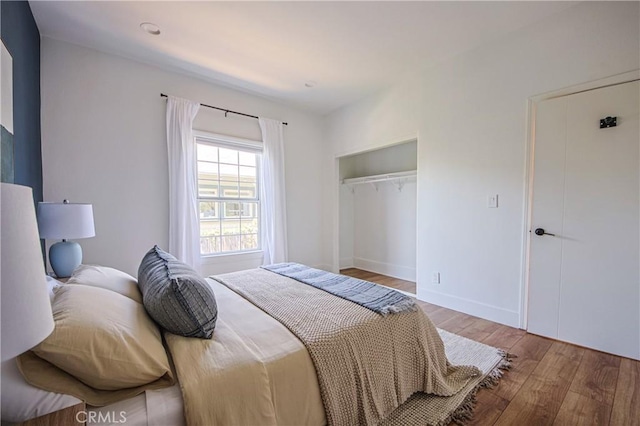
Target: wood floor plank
[(504, 337), (369, 276), (457, 323), (409, 288), (511, 383), (597, 376), (404, 285), (428, 307), (488, 409), (397, 284), (442, 315), (390, 281), (532, 347), (479, 330), (356, 273), (359, 273), (540, 397), (580, 410), (362, 275), (626, 405), (530, 350), (561, 360)]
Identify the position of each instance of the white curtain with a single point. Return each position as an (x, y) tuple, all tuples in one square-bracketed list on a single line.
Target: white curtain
[(184, 233), (273, 214)]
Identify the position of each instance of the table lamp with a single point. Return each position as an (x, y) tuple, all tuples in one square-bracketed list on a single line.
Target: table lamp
[(26, 309), (64, 221)]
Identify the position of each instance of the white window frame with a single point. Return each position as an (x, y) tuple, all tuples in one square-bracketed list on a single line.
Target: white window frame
[(238, 144)]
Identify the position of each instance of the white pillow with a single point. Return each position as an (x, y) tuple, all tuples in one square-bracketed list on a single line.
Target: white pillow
[(107, 278), (52, 284), (21, 401)]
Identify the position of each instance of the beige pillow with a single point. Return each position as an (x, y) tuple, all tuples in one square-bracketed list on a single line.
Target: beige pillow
[(109, 278), (103, 339)]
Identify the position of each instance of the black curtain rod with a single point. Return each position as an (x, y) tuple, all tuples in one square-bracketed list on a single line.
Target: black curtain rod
[(226, 111)]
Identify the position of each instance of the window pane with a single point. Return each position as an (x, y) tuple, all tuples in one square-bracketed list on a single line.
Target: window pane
[(249, 210), (207, 188), (208, 209), (229, 173), (228, 156), (209, 227), (249, 226), (209, 245), (248, 190), (247, 174), (249, 241), (247, 159), (232, 210), (229, 189), (207, 169), (230, 243), (207, 152)]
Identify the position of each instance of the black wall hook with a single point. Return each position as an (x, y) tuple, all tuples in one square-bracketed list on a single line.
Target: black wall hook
[(607, 122)]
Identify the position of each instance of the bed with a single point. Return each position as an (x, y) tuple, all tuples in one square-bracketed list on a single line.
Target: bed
[(258, 368)]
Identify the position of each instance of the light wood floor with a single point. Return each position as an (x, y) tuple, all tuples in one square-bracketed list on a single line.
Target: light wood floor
[(550, 383), (408, 286)]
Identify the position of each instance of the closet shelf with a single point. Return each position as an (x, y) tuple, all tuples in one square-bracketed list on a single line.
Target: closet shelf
[(398, 178)]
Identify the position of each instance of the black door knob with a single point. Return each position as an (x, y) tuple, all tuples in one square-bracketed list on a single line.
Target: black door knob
[(540, 231)]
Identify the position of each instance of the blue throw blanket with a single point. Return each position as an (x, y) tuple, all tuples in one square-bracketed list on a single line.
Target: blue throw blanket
[(379, 299)]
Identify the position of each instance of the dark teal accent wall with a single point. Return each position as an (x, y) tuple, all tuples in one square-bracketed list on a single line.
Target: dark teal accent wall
[(21, 37)]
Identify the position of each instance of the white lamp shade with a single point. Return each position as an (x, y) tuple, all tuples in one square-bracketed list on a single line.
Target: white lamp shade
[(60, 221), (26, 309)]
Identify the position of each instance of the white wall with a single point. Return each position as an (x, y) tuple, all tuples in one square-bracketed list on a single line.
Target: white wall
[(104, 142), (347, 224), (470, 115), (385, 230)]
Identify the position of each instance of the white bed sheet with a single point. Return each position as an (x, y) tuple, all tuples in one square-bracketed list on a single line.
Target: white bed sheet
[(163, 407)]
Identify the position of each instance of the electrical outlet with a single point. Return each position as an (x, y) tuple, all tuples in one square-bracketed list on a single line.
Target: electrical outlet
[(435, 278)]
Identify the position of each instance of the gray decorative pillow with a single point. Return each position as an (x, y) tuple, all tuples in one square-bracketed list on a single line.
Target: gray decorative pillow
[(175, 296)]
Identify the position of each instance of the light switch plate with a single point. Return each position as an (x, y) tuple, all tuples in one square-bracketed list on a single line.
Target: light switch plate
[(492, 201)]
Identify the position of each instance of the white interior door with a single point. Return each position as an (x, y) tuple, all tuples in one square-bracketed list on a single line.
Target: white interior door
[(584, 281)]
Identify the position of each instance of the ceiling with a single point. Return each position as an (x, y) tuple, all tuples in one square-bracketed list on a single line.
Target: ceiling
[(349, 49)]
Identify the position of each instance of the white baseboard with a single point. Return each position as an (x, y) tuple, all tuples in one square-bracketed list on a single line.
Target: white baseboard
[(346, 262), (396, 271), (471, 307)]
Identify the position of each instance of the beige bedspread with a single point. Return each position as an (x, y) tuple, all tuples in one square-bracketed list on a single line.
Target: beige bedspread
[(252, 372), (367, 365)]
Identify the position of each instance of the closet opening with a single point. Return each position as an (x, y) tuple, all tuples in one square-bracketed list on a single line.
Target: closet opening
[(377, 215)]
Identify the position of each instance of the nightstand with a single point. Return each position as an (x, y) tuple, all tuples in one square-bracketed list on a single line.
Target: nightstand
[(66, 417)]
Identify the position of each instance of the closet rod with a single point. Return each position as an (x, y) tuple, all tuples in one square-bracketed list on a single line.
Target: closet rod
[(226, 111)]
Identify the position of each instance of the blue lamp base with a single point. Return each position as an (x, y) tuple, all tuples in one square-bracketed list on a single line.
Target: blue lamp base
[(64, 257)]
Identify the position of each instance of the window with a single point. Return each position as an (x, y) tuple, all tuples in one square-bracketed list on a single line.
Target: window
[(228, 194)]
